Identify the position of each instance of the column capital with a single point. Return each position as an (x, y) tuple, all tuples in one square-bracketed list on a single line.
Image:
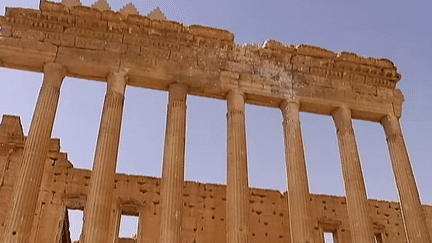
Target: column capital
[(177, 92), (117, 81), (236, 100), (391, 125), (342, 118), (286, 102), (54, 73), (289, 107)]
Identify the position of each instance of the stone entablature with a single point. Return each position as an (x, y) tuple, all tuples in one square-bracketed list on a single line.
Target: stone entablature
[(91, 44), (204, 213)]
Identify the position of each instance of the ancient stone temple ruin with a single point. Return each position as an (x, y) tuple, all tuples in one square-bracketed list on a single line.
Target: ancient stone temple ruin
[(38, 185)]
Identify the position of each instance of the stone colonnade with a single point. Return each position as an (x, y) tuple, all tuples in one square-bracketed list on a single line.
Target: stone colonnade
[(100, 198)]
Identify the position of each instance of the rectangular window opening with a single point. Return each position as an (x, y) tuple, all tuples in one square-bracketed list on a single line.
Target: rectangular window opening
[(330, 237), (75, 223), (128, 227)]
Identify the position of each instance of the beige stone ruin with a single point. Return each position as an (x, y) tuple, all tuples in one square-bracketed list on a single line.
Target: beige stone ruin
[(38, 184)]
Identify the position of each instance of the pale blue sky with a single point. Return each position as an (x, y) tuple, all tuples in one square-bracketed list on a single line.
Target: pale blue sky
[(398, 30)]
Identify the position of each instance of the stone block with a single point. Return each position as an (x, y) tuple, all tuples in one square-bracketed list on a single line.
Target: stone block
[(166, 25), (133, 49), (116, 47), (67, 40), (52, 7), (89, 43), (91, 23), (28, 34), (211, 32), (53, 38), (85, 11), (138, 20), (5, 31)]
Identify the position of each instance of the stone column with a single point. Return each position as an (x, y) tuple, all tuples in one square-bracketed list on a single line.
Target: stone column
[(173, 166), (298, 187), (412, 211), (360, 225), (237, 203), (97, 212), (26, 189)]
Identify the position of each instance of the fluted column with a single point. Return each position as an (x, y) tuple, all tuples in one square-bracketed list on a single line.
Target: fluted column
[(298, 187), (26, 188), (97, 212), (412, 211), (173, 166), (237, 203), (361, 229)]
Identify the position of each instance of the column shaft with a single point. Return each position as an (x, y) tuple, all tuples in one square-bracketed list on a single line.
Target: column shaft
[(26, 189), (360, 226), (298, 187), (97, 212), (412, 211), (237, 173), (173, 166)]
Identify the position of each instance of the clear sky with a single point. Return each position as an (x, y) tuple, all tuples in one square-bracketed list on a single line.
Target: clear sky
[(399, 30)]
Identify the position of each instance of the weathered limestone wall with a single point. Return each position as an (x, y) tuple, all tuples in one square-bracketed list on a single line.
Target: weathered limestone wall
[(204, 213)]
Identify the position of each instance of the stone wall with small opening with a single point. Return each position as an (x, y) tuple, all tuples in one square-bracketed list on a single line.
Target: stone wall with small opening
[(204, 217)]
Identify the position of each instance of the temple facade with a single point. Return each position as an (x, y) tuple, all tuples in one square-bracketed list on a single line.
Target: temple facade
[(38, 185)]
